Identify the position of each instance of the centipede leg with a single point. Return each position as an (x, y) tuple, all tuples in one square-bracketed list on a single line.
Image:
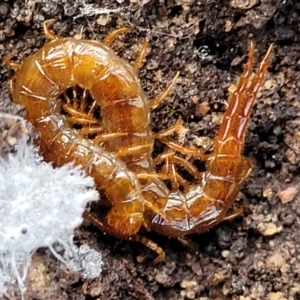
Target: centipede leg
[(167, 132), (177, 180), (187, 151), (11, 84), (132, 150), (154, 209), (92, 218), (162, 137), (139, 61), (234, 213), (152, 176), (174, 159), (151, 245), (90, 130), (247, 167), (158, 99), (108, 137), (137, 238), (47, 33), (88, 216), (186, 243), (109, 39), (8, 61), (78, 120), (75, 113)]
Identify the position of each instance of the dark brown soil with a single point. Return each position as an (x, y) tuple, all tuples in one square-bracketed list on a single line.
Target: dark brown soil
[(255, 256)]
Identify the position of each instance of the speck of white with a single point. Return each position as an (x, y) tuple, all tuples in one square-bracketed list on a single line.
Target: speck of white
[(39, 206)]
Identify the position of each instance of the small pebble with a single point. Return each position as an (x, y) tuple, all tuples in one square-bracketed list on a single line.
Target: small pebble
[(186, 283), (269, 229), (288, 194)]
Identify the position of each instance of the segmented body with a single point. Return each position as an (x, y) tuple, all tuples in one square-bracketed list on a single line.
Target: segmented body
[(124, 147), (64, 63), (207, 203)]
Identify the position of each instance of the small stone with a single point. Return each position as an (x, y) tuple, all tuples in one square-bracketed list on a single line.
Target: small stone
[(278, 259), (77, 36), (4, 10), (268, 229), (243, 4), (228, 25), (186, 283), (185, 4), (267, 193), (12, 141), (140, 258), (162, 278), (225, 253), (103, 20), (202, 109), (288, 194), (190, 295), (285, 268)]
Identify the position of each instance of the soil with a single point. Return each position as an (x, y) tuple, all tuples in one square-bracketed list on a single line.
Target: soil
[(254, 256)]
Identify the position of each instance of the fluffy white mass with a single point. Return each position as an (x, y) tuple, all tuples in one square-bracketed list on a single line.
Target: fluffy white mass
[(39, 206)]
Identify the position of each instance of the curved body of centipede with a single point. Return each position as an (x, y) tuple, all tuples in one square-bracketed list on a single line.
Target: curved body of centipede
[(40, 85), (110, 136)]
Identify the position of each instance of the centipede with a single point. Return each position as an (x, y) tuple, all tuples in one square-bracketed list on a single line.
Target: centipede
[(89, 108)]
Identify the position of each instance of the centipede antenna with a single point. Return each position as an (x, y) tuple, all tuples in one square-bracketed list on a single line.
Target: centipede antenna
[(157, 100), (109, 39)]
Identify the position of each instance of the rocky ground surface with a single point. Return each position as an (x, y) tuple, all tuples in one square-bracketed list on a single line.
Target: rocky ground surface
[(255, 256)]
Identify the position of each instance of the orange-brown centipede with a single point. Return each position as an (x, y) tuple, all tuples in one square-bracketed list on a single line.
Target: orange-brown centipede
[(110, 136)]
